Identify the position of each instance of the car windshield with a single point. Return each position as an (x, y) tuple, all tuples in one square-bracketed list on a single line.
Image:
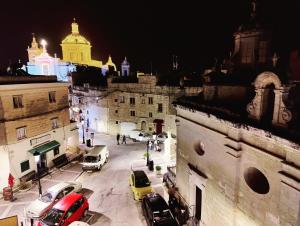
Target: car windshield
[(162, 216), (53, 217), (90, 159), (47, 197), (142, 182)]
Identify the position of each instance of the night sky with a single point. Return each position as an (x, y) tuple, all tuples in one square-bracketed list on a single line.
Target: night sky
[(144, 31)]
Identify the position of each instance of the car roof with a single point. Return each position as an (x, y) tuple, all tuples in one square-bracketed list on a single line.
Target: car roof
[(139, 173), (156, 202), (66, 202), (58, 187)]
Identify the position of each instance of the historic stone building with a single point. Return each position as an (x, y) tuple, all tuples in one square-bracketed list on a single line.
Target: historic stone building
[(41, 63), (34, 119), (77, 49), (238, 156)]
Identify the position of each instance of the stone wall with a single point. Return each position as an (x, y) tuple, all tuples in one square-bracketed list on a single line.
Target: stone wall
[(249, 178)]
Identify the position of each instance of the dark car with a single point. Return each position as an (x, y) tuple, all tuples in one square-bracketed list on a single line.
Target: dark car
[(157, 211), (169, 177)]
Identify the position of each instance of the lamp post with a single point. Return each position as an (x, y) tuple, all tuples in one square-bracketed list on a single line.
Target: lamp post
[(147, 153), (83, 139), (37, 161)]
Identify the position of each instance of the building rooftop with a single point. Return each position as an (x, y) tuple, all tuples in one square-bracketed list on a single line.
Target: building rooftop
[(237, 114), (9, 79)]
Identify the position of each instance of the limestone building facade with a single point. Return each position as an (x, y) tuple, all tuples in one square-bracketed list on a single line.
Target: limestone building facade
[(34, 119)]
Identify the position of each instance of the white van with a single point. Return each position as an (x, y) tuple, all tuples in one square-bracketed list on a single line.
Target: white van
[(96, 158), (138, 135)]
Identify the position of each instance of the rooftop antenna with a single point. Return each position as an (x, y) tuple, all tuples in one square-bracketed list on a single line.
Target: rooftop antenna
[(150, 67)]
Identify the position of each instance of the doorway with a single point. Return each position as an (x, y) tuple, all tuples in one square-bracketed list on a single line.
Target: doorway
[(198, 203), (42, 166), (143, 126)]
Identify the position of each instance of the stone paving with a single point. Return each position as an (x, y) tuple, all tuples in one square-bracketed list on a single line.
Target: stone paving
[(109, 195)]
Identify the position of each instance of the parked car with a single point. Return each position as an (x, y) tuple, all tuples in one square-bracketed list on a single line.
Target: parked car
[(69, 209), (96, 158), (161, 137), (139, 135), (38, 207), (140, 184), (157, 211), (169, 178)]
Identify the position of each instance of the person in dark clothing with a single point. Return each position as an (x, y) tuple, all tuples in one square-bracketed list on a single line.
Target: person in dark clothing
[(118, 139), (124, 139)]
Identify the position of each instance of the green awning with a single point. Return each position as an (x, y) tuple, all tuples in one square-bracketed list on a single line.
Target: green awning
[(45, 147)]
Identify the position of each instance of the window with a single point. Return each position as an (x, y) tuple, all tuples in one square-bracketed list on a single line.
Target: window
[(21, 133), (116, 100), (54, 122), (132, 100), (56, 151), (132, 113), (116, 111), (52, 97), (160, 108), (143, 101), (150, 129), (150, 100), (150, 114), (117, 122), (25, 166), (122, 99), (68, 190), (17, 101)]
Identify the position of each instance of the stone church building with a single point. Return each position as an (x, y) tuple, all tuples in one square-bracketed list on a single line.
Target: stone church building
[(238, 155)]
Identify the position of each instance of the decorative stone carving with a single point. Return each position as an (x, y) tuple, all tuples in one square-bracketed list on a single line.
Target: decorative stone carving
[(286, 114)]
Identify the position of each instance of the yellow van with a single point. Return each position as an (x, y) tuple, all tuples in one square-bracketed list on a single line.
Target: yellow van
[(140, 184)]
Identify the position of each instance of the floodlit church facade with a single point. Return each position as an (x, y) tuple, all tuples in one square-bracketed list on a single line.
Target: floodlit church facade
[(77, 49), (41, 63)]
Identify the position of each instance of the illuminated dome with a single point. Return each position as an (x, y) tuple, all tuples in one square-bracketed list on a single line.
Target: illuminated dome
[(75, 37)]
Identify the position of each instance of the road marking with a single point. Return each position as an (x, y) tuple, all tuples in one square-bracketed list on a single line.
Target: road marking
[(69, 171)]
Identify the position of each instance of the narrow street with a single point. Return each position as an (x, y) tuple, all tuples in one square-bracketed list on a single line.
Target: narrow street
[(108, 191)]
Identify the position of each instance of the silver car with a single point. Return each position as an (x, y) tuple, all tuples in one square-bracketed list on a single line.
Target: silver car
[(39, 207)]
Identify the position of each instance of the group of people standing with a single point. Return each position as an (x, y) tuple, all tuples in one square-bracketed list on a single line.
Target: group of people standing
[(153, 145), (123, 139)]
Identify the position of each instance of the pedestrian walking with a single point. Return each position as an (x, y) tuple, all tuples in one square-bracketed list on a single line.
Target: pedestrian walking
[(124, 139), (118, 138)]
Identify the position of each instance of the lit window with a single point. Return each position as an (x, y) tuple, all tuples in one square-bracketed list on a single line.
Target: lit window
[(150, 114), (17, 100), (160, 108), (21, 133), (54, 122), (132, 113), (150, 100), (132, 100), (52, 97)]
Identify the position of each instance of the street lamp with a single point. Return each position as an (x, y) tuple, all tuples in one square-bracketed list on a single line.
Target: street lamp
[(83, 140), (37, 161), (147, 153)]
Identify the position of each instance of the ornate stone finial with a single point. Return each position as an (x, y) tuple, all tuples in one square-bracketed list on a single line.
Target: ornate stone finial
[(254, 8), (43, 44), (275, 59), (75, 27)]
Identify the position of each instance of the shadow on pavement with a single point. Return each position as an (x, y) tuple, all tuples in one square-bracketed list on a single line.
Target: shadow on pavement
[(94, 218), (86, 192)]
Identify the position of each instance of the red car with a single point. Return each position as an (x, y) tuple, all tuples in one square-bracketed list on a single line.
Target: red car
[(70, 208)]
